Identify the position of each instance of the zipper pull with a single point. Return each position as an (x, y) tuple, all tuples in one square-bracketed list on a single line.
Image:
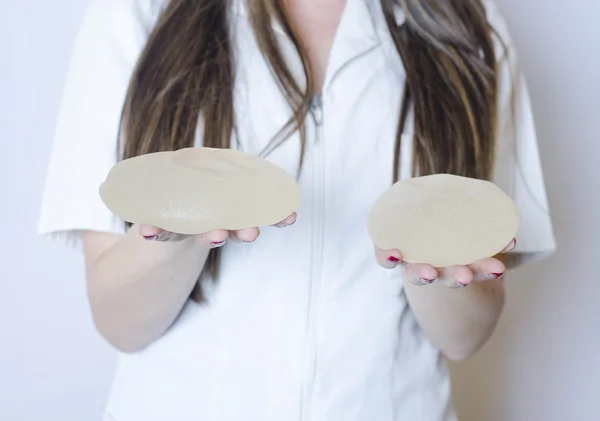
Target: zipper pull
[(316, 107)]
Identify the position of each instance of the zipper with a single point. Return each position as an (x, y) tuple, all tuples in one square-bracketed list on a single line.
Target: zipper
[(318, 188)]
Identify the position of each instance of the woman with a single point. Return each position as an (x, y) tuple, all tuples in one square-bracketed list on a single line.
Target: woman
[(301, 323)]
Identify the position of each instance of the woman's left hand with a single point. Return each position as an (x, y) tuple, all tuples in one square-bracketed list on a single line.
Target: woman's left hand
[(451, 276)]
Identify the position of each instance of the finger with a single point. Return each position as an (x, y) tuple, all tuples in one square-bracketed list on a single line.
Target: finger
[(247, 235), (213, 239), (420, 273), (487, 269), (455, 276), (510, 247), (149, 231), (388, 259), (290, 220), (152, 233)]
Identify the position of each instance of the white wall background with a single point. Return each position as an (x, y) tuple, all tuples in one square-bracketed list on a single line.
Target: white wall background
[(53, 365), (543, 363)]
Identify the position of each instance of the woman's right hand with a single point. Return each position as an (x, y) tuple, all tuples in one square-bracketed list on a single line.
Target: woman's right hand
[(136, 291), (210, 239)]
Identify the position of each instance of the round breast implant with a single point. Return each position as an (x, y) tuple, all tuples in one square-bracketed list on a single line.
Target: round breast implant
[(444, 220), (196, 190)]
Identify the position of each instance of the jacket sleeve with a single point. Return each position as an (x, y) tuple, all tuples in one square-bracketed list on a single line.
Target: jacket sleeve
[(518, 169), (109, 41)]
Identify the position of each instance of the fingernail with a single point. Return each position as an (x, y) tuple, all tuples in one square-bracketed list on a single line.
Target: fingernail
[(393, 259), (514, 244), (150, 237), (218, 243), (497, 275), (460, 284), (428, 281)]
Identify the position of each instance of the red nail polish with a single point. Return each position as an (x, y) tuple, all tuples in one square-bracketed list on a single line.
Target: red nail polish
[(497, 275), (218, 243), (428, 280), (461, 284), (393, 259), (150, 237)]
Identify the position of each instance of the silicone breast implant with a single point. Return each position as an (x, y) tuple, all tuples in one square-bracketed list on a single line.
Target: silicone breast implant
[(196, 190), (444, 220)]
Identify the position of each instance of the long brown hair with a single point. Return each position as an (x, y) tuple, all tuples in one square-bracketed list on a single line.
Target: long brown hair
[(186, 72)]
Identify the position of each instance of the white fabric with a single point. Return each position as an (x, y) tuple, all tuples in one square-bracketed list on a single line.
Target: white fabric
[(303, 324)]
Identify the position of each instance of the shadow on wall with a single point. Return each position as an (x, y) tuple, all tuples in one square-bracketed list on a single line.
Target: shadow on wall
[(483, 385)]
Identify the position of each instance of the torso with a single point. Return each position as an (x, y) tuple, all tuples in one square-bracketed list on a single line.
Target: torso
[(303, 325)]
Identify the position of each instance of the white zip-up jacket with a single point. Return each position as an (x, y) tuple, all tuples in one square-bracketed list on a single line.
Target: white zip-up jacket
[(303, 325)]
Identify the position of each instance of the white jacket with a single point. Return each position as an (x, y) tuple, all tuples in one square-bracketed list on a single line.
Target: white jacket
[(303, 325)]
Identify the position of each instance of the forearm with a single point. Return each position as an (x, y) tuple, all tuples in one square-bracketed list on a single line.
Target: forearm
[(137, 288), (457, 321)]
